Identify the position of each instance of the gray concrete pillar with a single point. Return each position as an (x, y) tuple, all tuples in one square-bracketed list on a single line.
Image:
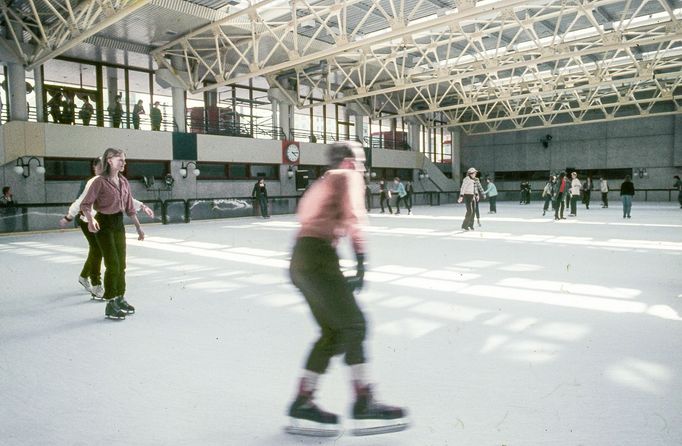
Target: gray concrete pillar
[(112, 85), (179, 104), (275, 118), (16, 88), (677, 141), (38, 90), (415, 137), (456, 153), (360, 129), (285, 115)]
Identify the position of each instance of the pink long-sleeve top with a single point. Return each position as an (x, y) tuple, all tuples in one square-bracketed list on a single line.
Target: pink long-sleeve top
[(108, 198), (334, 207)]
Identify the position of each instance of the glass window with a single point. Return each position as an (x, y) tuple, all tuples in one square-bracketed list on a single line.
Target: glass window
[(67, 169), (269, 171), (136, 169), (238, 171), (114, 93), (213, 171), (165, 98), (140, 99)]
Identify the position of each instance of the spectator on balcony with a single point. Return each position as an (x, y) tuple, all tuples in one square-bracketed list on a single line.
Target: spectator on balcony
[(137, 111), (86, 111), (68, 109), (116, 112), (156, 116), (54, 105)]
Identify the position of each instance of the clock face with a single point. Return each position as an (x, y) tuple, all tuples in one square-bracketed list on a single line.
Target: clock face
[(293, 153)]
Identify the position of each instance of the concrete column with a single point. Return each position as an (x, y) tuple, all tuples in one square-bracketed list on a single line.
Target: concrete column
[(415, 137), (179, 124), (112, 85), (16, 87), (275, 118), (359, 129), (677, 141), (285, 115), (456, 148), (38, 90), (179, 105)]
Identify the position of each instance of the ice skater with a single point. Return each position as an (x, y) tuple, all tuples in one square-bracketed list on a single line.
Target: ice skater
[(331, 208), (468, 193), (109, 194), (90, 277)]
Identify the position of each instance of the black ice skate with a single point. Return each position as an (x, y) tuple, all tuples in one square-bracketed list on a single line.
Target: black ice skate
[(308, 419), (112, 311), (371, 417), (124, 305)]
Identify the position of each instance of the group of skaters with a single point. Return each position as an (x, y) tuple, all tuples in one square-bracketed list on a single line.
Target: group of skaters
[(401, 192), (563, 191), (62, 110)]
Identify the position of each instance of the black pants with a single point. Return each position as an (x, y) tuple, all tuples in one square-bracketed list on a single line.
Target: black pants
[(469, 216), (476, 211), (404, 200), (548, 200), (574, 204), (111, 239), (315, 271), (605, 199), (587, 195), (384, 199), (559, 206), (263, 205), (493, 204), (93, 264)]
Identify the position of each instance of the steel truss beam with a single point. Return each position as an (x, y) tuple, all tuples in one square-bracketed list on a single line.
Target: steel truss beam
[(55, 26), (262, 40), (392, 73)]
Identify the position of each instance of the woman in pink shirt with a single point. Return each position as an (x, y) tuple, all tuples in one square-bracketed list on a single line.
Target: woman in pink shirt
[(110, 196)]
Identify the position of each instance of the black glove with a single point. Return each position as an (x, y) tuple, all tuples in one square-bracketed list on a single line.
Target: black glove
[(357, 282)]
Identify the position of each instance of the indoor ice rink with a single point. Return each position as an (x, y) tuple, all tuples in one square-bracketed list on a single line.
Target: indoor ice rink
[(525, 331)]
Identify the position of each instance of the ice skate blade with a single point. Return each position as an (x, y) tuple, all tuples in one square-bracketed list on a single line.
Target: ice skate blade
[(115, 318), (376, 427), (312, 428)]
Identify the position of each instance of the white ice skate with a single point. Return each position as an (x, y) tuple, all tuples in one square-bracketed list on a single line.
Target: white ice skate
[(308, 419), (371, 417), (310, 428)]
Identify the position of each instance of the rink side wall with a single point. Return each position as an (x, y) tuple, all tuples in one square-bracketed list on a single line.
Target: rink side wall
[(654, 143)]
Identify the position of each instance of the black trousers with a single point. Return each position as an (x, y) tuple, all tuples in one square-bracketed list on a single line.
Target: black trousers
[(93, 264), (263, 205), (559, 206), (605, 199), (471, 210), (404, 200), (493, 204), (315, 271), (384, 199), (111, 239), (574, 204)]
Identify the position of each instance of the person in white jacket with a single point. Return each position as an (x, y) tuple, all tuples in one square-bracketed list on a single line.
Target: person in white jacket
[(576, 187), (90, 277), (469, 194)]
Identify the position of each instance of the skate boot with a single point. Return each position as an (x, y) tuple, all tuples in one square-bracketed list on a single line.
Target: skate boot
[(85, 283), (97, 292), (372, 417), (123, 305), (308, 419), (112, 311)]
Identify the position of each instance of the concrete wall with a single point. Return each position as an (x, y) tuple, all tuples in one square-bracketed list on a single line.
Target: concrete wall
[(55, 140), (653, 143)]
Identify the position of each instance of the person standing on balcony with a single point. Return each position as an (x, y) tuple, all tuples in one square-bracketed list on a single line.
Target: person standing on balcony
[(137, 111), (116, 112), (86, 111), (156, 116)]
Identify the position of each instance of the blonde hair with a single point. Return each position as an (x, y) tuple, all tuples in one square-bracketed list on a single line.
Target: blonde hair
[(109, 153)]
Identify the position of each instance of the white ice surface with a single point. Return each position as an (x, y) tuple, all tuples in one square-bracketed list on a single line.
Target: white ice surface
[(523, 332)]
